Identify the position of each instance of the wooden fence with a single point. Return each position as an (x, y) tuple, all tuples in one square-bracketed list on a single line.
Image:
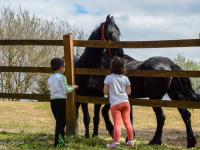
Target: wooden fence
[(69, 45)]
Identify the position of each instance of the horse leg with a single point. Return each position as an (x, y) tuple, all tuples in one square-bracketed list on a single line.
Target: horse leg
[(96, 119), (86, 119), (131, 113), (109, 125), (160, 117), (181, 89), (77, 113), (185, 114)]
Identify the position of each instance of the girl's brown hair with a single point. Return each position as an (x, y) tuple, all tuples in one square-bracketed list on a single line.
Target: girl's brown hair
[(117, 65)]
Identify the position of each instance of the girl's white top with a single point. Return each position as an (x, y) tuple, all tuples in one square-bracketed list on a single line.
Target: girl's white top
[(58, 86), (117, 88)]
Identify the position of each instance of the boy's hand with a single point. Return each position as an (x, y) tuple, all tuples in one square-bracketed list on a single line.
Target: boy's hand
[(75, 86)]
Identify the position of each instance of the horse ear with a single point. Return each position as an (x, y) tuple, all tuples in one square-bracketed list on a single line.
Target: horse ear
[(112, 19), (108, 18)]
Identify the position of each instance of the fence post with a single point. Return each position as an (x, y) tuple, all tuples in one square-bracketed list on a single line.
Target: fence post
[(69, 73)]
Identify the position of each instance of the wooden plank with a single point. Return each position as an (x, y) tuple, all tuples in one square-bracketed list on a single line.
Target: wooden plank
[(32, 42), (69, 73), (140, 73), (108, 44), (139, 44), (25, 69), (25, 96), (91, 99), (165, 103), (163, 73), (88, 71), (143, 102), (100, 100)]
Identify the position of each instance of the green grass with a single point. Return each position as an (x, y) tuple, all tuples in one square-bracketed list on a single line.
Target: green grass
[(41, 107), (30, 126), (24, 141)]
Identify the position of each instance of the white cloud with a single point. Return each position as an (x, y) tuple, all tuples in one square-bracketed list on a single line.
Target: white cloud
[(137, 19)]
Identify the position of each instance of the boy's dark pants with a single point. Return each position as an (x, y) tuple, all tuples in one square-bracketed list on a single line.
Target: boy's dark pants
[(58, 107)]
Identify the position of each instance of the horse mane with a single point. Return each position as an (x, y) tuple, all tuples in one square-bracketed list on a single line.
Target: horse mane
[(91, 56), (95, 32)]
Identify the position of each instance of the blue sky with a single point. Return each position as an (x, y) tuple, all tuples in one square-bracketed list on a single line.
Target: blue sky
[(138, 20)]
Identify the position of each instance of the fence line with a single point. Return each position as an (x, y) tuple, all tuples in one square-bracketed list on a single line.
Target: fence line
[(100, 100), (108, 44), (89, 71), (69, 45)]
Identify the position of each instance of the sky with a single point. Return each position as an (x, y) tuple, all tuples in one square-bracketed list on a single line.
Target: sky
[(138, 20)]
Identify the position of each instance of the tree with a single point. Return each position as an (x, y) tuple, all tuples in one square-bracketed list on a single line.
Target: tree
[(23, 25), (187, 64)]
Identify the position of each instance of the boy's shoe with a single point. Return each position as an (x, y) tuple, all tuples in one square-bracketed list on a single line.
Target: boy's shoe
[(131, 143), (61, 142), (112, 145)]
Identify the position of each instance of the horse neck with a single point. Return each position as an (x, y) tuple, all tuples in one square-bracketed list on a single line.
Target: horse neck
[(91, 57)]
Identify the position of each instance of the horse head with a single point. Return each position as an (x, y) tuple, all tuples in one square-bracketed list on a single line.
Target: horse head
[(111, 32), (107, 31)]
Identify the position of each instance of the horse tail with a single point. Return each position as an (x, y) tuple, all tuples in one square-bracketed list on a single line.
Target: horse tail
[(181, 87)]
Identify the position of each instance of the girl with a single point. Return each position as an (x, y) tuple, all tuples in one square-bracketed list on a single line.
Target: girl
[(118, 87)]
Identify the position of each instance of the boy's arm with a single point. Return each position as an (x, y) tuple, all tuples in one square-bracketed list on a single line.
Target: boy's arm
[(67, 87)]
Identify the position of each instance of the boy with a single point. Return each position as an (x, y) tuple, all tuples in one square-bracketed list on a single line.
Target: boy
[(58, 87)]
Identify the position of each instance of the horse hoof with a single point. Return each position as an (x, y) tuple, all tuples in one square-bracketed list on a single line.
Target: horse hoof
[(191, 143), (126, 140), (155, 142), (87, 136)]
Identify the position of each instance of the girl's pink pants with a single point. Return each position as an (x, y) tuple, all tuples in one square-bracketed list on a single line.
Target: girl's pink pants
[(122, 112)]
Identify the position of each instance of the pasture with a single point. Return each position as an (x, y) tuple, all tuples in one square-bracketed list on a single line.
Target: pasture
[(30, 125)]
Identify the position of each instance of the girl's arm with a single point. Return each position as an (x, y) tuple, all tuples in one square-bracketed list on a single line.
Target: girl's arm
[(128, 89), (106, 89)]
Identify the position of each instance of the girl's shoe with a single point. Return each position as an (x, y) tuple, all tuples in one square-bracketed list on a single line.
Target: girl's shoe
[(112, 145), (131, 143)]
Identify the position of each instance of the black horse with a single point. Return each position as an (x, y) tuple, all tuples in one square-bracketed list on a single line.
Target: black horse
[(178, 88), (91, 58)]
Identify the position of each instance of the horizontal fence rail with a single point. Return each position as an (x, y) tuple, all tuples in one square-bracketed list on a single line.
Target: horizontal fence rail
[(25, 69), (25, 96), (108, 44), (138, 44), (32, 42), (140, 73), (100, 100), (143, 102), (89, 71)]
